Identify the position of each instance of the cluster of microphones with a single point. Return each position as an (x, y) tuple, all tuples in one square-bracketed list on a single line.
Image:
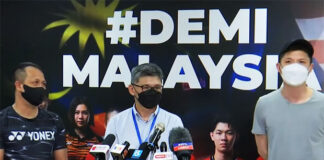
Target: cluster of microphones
[(180, 142)]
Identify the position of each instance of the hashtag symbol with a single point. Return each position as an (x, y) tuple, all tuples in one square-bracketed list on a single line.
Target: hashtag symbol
[(121, 27)]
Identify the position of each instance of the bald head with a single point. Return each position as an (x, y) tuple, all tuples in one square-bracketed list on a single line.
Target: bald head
[(20, 73)]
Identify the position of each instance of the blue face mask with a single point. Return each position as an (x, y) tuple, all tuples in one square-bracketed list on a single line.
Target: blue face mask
[(34, 95)]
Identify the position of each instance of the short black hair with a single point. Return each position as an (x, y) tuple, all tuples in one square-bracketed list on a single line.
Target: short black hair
[(19, 73), (73, 105), (146, 69), (299, 44), (223, 118)]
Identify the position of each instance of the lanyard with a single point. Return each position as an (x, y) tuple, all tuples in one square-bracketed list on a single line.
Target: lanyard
[(137, 130)]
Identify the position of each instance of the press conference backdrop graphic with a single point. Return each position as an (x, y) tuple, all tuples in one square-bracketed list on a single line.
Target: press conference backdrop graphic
[(216, 55)]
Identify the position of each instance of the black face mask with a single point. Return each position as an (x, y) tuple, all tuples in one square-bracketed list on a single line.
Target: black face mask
[(150, 98), (34, 95)]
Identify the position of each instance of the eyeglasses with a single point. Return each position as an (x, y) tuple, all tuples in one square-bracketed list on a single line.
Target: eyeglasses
[(147, 87)]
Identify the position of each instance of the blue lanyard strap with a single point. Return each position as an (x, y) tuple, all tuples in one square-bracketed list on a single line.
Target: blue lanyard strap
[(137, 130)]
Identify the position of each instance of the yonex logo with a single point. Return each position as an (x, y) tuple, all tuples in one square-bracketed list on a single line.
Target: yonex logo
[(33, 136), (16, 135)]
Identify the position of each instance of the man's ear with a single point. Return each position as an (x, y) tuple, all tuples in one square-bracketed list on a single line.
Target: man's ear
[(311, 67), (19, 86), (131, 90), (278, 67), (211, 136)]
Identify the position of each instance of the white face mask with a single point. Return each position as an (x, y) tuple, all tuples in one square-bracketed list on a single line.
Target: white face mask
[(294, 74)]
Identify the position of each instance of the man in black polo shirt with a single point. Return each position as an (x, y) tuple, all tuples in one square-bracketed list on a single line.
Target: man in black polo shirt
[(27, 132)]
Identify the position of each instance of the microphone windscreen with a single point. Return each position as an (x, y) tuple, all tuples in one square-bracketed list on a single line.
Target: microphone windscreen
[(109, 140), (179, 135)]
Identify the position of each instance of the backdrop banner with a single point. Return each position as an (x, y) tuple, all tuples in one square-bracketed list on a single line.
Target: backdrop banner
[(216, 55)]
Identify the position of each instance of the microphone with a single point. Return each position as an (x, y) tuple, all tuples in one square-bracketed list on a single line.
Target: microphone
[(163, 155), (100, 151), (120, 151), (163, 147), (153, 141), (180, 142), (145, 148)]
